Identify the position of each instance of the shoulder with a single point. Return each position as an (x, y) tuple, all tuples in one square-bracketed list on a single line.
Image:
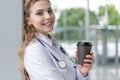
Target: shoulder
[(35, 53), (34, 49), (34, 46)]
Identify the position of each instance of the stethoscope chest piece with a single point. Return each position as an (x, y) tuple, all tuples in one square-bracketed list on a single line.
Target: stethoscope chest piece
[(62, 64)]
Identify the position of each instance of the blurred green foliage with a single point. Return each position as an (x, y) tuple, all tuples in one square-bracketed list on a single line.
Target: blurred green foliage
[(75, 17)]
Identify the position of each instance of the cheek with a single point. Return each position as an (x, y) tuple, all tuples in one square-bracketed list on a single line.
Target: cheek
[(37, 21), (34, 19)]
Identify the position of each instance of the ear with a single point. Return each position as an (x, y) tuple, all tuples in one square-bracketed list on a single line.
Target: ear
[(28, 21)]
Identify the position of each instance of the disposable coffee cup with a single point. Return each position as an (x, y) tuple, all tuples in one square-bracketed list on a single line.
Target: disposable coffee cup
[(83, 48)]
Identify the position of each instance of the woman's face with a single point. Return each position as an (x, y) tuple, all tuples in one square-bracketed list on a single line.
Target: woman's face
[(41, 17)]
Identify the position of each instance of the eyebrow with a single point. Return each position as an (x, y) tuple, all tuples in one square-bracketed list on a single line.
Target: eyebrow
[(39, 10)]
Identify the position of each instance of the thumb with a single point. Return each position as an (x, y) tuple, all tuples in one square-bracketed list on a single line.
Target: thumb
[(76, 55)]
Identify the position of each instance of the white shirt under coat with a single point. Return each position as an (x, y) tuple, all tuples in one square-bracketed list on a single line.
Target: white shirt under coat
[(41, 65)]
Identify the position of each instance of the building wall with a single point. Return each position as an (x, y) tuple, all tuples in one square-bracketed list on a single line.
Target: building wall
[(10, 38)]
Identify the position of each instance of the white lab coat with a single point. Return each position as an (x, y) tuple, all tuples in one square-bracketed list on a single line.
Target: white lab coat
[(41, 65)]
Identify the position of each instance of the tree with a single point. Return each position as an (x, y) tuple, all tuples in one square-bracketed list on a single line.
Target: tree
[(113, 18), (76, 18), (113, 14), (74, 15)]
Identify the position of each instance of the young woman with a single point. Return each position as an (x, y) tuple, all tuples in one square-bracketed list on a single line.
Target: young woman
[(41, 55)]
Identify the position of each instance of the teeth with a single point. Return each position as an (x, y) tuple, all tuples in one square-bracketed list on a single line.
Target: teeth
[(48, 23)]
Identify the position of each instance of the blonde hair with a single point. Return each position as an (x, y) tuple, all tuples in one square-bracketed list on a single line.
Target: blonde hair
[(28, 35)]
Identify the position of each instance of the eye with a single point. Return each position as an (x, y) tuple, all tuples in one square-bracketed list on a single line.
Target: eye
[(39, 13), (50, 11)]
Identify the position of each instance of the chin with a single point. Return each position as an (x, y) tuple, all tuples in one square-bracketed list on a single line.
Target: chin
[(50, 30)]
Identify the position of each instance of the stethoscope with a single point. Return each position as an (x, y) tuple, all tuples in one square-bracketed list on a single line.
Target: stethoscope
[(61, 63)]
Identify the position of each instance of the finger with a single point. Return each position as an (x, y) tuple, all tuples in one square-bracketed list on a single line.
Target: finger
[(91, 52), (86, 64), (76, 55), (88, 61), (90, 56)]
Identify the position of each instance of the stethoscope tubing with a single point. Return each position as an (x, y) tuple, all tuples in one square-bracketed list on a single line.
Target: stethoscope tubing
[(61, 63)]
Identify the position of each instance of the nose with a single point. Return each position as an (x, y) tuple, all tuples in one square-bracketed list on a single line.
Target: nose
[(47, 16)]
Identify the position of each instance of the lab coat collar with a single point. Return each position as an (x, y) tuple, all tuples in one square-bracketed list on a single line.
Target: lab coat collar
[(51, 41)]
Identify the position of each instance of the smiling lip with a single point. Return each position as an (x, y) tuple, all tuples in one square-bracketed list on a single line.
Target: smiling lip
[(47, 23)]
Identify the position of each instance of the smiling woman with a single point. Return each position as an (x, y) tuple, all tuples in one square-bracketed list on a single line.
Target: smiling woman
[(42, 18), (41, 55)]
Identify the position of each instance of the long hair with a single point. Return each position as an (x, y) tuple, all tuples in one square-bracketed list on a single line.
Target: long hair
[(28, 35)]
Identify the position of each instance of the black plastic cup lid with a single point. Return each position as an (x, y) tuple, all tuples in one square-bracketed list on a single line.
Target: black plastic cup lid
[(85, 43)]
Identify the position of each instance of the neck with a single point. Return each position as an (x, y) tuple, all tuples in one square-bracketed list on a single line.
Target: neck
[(47, 35)]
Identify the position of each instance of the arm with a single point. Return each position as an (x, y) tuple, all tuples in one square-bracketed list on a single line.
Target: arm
[(80, 76), (84, 69)]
